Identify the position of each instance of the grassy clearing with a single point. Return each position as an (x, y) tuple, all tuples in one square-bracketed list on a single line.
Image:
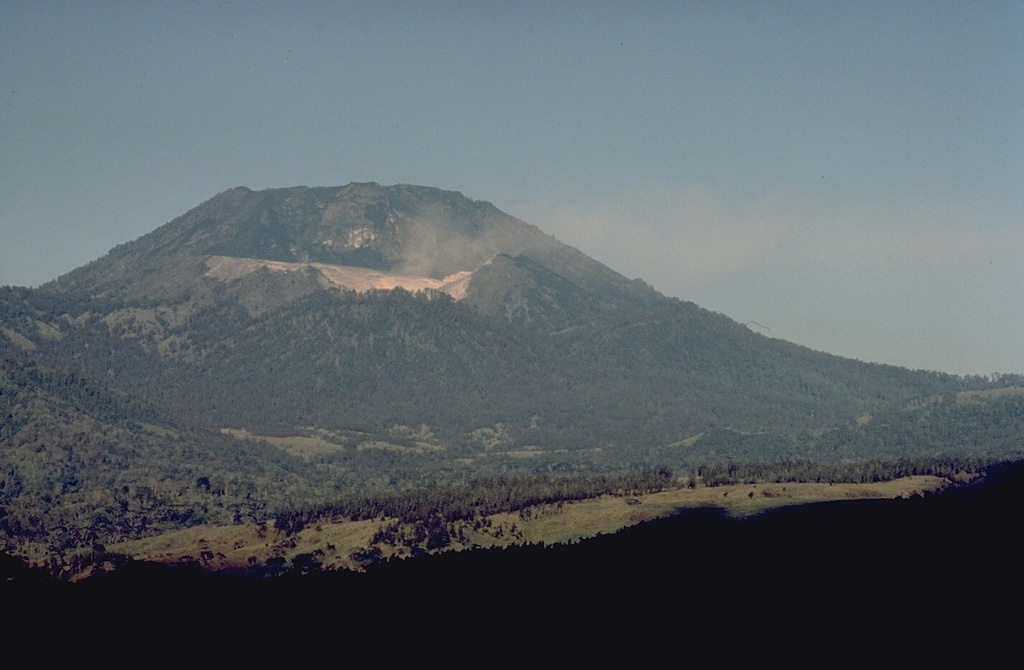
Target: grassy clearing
[(609, 514), (323, 442), (343, 544), (297, 445), (688, 442), (965, 397), (229, 547), (413, 448)]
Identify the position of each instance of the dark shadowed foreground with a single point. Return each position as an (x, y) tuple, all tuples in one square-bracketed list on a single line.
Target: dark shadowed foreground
[(947, 559)]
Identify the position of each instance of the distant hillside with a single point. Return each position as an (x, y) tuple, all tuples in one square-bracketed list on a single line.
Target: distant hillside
[(82, 463), (540, 363)]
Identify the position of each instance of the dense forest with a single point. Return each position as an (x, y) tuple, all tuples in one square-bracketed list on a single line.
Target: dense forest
[(368, 362)]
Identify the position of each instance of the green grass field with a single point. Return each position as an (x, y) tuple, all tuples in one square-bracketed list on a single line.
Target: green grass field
[(344, 544)]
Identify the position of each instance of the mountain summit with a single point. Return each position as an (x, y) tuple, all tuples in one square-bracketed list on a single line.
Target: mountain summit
[(418, 236)]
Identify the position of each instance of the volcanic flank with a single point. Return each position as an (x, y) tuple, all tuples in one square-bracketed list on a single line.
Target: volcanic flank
[(283, 310)]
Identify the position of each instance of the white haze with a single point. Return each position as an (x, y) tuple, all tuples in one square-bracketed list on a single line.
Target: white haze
[(922, 286)]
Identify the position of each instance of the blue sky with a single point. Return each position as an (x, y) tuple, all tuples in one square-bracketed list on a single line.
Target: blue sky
[(850, 175)]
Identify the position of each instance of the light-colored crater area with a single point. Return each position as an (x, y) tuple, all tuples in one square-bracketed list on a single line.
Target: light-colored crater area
[(342, 276)]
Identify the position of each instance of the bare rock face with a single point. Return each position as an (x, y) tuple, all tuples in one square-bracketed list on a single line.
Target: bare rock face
[(349, 277)]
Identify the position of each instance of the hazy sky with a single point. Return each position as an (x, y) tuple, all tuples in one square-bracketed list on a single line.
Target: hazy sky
[(850, 174)]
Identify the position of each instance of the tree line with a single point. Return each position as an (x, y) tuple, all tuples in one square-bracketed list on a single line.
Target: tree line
[(477, 498)]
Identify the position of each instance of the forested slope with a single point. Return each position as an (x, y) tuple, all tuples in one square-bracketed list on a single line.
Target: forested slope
[(612, 376)]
